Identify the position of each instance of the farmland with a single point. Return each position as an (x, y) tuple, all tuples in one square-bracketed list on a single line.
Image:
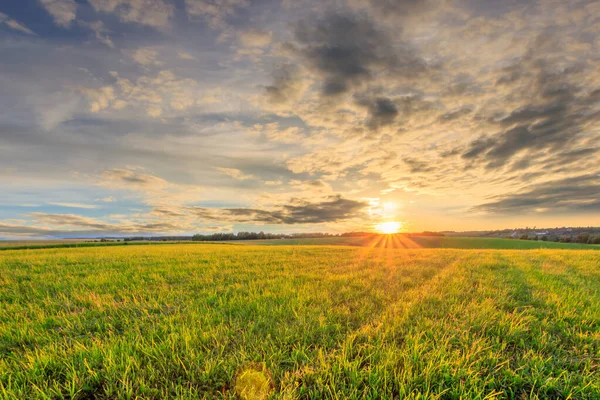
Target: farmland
[(181, 321), (400, 241)]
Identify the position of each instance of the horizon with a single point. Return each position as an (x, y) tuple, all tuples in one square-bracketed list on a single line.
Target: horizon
[(307, 234), (169, 118)]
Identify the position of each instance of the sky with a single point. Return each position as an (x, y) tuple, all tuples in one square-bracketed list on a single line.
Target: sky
[(160, 117)]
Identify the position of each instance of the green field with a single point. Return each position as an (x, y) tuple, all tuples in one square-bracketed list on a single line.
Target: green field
[(180, 321), (414, 242), (376, 241)]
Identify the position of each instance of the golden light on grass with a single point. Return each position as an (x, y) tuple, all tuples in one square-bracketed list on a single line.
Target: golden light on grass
[(389, 227), (253, 382)]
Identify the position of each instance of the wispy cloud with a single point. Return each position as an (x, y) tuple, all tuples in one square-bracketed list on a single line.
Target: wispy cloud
[(154, 13), (14, 24), (74, 205), (63, 11), (236, 174)]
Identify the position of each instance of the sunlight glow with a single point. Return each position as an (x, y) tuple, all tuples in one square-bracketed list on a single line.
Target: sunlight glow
[(388, 227), (388, 207)]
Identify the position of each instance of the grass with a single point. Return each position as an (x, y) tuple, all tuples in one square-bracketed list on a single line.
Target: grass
[(59, 244), (178, 321), (374, 241), (402, 241)]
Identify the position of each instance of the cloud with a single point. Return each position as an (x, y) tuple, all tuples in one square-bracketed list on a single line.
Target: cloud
[(74, 205), (298, 211), (60, 224), (131, 180), (418, 166), (456, 114), (555, 113), (382, 111), (255, 38), (319, 99), (287, 85), (275, 133), (145, 56), (154, 13), (151, 189), (70, 220), (236, 174), (400, 8), (100, 31), (349, 50), (63, 11), (24, 230), (577, 194), (184, 55), (215, 12), (14, 24), (156, 94)]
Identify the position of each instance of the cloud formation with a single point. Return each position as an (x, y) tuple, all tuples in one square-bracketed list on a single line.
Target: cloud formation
[(192, 115), (298, 211), (154, 13), (215, 12), (576, 194), (14, 24), (349, 50), (63, 11)]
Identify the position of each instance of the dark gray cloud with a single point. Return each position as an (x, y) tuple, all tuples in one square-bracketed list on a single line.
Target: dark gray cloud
[(417, 166), (382, 111), (347, 50), (556, 112), (403, 7), (575, 156), (567, 196), (331, 209)]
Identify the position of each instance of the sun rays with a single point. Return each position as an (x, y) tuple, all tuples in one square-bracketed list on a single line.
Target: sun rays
[(389, 241)]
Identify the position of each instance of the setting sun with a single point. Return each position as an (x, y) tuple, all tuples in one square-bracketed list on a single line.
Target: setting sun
[(389, 227)]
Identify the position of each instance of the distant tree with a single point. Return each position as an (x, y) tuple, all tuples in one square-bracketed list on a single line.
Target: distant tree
[(565, 239), (524, 237), (583, 237), (356, 234), (544, 238), (594, 239)]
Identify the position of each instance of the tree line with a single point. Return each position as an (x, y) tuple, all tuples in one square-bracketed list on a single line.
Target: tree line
[(582, 238)]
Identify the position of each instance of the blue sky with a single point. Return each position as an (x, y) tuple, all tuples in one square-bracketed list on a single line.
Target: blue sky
[(127, 117)]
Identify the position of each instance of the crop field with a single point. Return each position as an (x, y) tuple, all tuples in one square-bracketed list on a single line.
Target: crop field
[(309, 322)]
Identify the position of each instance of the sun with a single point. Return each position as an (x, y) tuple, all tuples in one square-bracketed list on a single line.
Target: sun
[(388, 228)]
